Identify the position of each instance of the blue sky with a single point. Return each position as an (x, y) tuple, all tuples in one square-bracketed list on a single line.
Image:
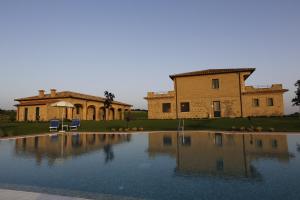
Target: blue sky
[(131, 47)]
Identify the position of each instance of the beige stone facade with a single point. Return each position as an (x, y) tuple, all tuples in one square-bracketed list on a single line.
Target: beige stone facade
[(55, 147), (211, 153), (86, 107), (215, 93)]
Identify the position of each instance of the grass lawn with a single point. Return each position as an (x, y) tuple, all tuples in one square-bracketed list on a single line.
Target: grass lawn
[(284, 124)]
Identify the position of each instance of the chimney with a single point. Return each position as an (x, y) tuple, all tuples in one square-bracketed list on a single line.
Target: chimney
[(53, 92), (41, 93)]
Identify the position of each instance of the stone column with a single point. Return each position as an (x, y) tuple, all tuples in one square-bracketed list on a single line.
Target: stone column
[(106, 114), (84, 111), (97, 113)]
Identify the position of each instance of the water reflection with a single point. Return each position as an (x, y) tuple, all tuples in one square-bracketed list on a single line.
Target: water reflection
[(203, 153), (63, 146), (218, 153)]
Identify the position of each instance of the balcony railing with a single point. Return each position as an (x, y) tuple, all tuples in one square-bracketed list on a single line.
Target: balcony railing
[(161, 94), (262, 86)]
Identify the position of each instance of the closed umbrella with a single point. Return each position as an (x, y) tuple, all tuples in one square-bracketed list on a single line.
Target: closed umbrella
[(62, 104)]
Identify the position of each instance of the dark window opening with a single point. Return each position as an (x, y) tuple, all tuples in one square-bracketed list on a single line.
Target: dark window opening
[(167, 141), (26, 114), (215, 84), (185, 107), (36, 142), (220, 165), (166, 107), (219, 139), (274, 144), (66, 113), (270, 102), (255, 102), (259, 143), (37, 113), (186, 140), (217, 108)]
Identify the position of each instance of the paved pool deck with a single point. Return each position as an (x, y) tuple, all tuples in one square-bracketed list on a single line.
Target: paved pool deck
[(22, 195)]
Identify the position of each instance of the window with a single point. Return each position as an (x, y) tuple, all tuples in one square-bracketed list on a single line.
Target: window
[(186, 140), (259, 143), (255, 102), (36, 142), (270, 102), (37, 113), (24, 142), (220, 165), (166, 107), (217, 108), (218, 139), (25, 114), (185, 107), (167, 141), (215, 84), (274, 144)]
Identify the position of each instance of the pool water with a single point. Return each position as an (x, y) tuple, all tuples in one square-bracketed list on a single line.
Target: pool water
[(160, 165)]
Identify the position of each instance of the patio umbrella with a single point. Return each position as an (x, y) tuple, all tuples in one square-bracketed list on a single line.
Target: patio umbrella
[(62, 104)]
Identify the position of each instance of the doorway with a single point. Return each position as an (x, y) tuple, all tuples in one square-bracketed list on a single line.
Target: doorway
[(26, 114), (217, 108), (37, 113)]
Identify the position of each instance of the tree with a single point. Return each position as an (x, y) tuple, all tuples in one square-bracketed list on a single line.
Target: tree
[(128, 118), (296, 100), (109, 98), (109, 154)]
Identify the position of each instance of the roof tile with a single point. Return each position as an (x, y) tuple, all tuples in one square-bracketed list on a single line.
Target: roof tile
[(213, 71), (68, 94)]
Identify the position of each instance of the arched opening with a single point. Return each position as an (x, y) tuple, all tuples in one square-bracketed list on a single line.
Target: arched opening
[(102, 114), (25, 114), (91, 139), (120, 114), (111, 114), (91, 113), (78, 111)]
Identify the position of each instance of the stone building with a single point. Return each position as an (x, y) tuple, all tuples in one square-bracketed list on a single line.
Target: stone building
[(53, 148), (220, 154), (215, 93), (86, 107)]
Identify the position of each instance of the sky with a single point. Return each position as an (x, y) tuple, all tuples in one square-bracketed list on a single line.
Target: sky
[(131, 47)]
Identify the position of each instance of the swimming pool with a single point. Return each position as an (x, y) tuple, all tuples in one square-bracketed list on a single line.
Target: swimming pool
[(158, 165)]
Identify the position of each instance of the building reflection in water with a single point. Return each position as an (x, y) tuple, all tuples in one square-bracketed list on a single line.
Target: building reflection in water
[(219, 154), (63, 146)]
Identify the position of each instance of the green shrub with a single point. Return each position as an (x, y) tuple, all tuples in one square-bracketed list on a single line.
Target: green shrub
[(258, 129)]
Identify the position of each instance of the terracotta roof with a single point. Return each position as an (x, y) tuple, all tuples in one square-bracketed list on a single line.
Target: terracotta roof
[(69, 94), (37, 102), (213, 71)]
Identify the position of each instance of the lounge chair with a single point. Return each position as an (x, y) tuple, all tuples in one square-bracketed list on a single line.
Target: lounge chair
[(74, 124), (54, 125)]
